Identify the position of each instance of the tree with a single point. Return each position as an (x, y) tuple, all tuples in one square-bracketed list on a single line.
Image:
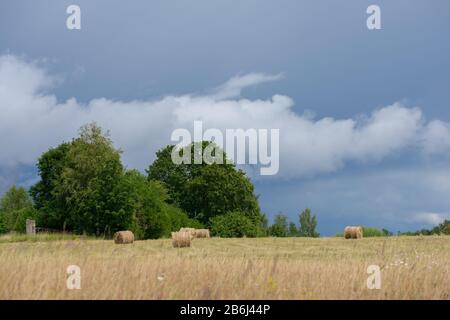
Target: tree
[(293, 231), (84, 188), (233, 225), (3, 227), (90, 181), (265, 229), (12, 206), (179, 219), (280, 226), (443, 228), (205, 190), (308, 224), (21, 218), (151, 216), (52, 207)]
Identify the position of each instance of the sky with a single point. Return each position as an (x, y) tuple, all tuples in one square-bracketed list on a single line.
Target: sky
[(363, 114)]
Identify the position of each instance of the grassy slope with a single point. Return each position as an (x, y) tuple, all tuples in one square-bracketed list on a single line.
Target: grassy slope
[(262, 268)]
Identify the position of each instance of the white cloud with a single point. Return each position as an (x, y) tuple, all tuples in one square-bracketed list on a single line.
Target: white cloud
[(430, 218), (436, 137), (33, 120), (233, 87)]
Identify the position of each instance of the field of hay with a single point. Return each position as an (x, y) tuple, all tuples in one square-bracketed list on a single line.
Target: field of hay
[(262, 268)]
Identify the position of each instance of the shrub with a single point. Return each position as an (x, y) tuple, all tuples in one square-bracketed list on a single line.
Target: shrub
[(373, 232), (233, 225), (179, 219), (14, 205), (280, 226), (21, 217), (3, 228)]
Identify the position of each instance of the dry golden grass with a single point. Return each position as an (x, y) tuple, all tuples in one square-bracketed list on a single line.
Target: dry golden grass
[(264, 268)]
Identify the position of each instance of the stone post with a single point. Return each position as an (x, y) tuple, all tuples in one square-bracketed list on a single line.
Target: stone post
[(31, 227)]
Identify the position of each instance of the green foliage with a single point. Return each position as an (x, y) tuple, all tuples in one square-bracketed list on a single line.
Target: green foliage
[(205, 191), (3, 227), (293, 231), (53, 211), (280, 226), (233, 225), (308, 224), (372, 232), (179, 219), (15, 199), (151, 216), (21, 217), (89, 183), (442, 228), (84, 188), (144, 203), (265, 230), (14, 204)]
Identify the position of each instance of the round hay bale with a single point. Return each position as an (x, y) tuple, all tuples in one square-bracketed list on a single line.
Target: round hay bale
[(123, 237), (202, 233), (353, 232), (181, 239), (191, 231), (197, 233)]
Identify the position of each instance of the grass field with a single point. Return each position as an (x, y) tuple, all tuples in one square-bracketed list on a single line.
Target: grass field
[(261, 268)]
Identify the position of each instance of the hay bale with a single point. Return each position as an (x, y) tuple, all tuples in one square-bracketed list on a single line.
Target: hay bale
[(202, 233), (123, 237), (353, 232), (191, 231), (181, 239), (196, 233)]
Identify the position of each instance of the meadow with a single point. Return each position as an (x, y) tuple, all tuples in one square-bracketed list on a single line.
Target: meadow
[(218, 268)]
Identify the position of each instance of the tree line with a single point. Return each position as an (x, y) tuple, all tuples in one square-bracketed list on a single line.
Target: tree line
[(84, 188)]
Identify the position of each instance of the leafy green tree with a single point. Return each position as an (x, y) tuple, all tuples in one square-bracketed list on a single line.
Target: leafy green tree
[(173, 176), (3, 227), (146, 201), (84, 188), (442, 228), (90, 181), (293, 231), (308, 224), (280, 226), (233, 225), (12, 204), (21, 217), (205, 190), (218, 189), (265, 229), (53, 210), (179, 219)]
